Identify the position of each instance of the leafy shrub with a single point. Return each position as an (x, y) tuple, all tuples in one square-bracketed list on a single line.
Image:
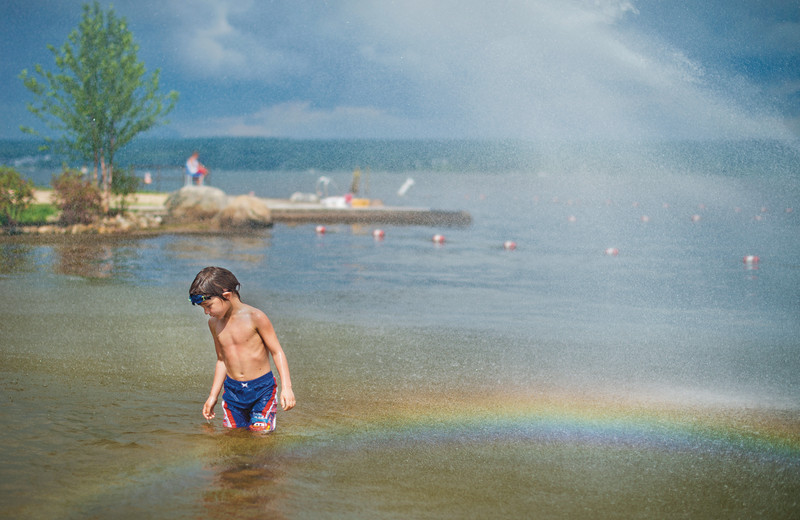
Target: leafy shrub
[(77, 197), (16, 194), (124, 183)]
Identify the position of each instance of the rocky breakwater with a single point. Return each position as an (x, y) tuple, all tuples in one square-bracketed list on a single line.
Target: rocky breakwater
[(211, 209), (190, 209), (131, 222)]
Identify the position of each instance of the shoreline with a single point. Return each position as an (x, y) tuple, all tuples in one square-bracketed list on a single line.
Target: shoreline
[(147, 214)]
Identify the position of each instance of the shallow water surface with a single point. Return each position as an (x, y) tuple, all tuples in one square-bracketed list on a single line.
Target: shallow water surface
[(433, 381)]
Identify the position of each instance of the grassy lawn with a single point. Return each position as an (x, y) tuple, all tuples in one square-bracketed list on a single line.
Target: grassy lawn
[(37, 213), (42, 209)]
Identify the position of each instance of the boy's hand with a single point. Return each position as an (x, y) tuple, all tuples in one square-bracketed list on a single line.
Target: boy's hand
[(208, 408), (287, 399)]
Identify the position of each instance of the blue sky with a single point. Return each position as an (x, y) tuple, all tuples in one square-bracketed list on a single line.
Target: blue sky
[(525, 69)]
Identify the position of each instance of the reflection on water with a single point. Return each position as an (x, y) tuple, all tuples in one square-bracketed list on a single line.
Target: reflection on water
[(248, 476), (15, 258), (246, 248), (85, 257)]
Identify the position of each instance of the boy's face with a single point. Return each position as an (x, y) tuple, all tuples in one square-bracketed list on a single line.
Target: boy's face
[(215, 306)]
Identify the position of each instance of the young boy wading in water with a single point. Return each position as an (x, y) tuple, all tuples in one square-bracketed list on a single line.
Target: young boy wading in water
[(244, 339)]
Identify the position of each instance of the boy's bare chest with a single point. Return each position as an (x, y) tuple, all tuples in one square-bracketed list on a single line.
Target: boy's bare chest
[(237, 335)]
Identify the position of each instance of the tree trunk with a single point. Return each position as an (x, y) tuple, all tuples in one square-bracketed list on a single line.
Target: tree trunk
[(112, 144), (94, 170), (106, 201), (108, 187)]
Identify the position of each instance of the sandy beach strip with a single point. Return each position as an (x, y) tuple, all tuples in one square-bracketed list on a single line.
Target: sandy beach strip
[(289, 212), (137, 201)]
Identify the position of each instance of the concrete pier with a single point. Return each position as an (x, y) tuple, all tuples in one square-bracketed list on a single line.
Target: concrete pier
[(284, 211)]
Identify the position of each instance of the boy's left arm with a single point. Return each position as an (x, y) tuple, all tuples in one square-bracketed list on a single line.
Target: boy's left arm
[(270, 339)]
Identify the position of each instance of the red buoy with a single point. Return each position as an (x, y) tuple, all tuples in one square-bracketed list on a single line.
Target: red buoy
[(438, 239), (321, 230), (378, 234), (611, 251), (509, 245)]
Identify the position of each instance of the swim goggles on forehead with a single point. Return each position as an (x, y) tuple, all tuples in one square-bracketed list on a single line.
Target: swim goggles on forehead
[(197, 299)]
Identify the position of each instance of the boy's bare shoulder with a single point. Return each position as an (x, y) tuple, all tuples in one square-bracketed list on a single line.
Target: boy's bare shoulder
[(254, 312), (258, 316)]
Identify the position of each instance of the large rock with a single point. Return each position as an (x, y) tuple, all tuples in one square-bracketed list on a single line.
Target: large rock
[(192, 203), (245, 211)]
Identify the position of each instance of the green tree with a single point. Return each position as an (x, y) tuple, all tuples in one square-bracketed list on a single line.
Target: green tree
[(99, 98), (16, 194)]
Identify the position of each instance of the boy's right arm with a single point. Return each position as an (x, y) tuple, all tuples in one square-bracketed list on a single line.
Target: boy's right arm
[(216, 387), (220, 372)]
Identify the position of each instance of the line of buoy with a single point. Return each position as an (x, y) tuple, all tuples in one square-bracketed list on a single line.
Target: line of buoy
[(751, 261)]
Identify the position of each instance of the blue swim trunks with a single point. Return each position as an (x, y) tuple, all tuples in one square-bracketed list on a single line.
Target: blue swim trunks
[(250, 404)]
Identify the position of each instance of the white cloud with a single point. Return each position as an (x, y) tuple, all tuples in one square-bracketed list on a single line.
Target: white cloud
[(518, 68), (612, 10), (550, 69), (462, 68), (210, 46)]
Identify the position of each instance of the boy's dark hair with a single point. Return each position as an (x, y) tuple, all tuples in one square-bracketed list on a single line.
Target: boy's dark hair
[(213, 281)]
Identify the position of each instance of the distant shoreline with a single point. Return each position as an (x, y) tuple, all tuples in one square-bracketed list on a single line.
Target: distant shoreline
[(147, 214)]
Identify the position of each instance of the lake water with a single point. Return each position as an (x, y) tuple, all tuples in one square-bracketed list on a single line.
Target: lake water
[(459, 380)]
